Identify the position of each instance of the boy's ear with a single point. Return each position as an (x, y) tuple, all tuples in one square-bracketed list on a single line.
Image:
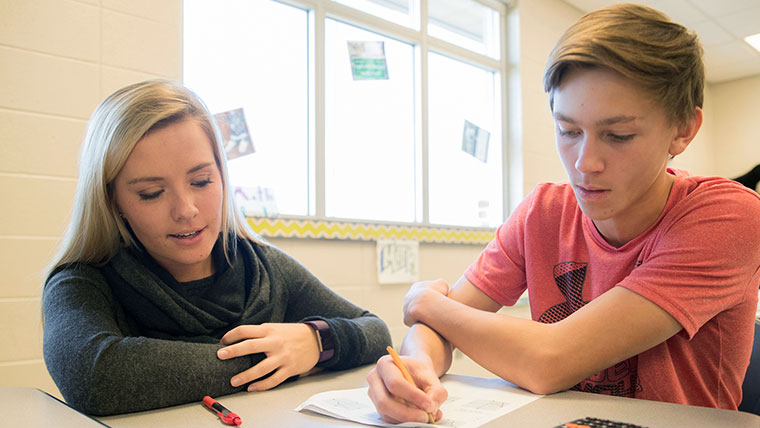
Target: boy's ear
[(686, 133)]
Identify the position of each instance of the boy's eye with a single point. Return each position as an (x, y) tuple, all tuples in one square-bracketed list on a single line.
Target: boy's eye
[(621, 138), (149, 196), (568, 133)]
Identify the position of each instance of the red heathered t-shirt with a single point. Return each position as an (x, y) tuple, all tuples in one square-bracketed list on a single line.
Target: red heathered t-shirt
[(699, 261)]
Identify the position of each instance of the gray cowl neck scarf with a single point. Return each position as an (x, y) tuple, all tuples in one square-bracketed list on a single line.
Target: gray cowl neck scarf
[(158, 306)]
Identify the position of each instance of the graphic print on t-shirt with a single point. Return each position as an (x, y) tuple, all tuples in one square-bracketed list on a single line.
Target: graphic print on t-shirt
[(569, 277), (621, 379)]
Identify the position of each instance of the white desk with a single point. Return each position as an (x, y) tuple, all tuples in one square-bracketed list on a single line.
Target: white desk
[(274, 408), (30, 407)]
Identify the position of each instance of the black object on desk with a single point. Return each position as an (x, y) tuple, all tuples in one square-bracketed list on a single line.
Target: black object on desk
[(596, 423)]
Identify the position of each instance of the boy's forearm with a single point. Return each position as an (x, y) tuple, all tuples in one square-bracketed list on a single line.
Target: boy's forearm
[(423, 342), (514, 350)]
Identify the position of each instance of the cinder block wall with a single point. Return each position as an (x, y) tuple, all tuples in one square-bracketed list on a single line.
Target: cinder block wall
[(59, 59)]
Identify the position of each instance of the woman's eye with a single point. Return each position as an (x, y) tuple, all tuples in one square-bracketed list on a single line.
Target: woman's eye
[(568, 133), (202, 183), (149, 196)]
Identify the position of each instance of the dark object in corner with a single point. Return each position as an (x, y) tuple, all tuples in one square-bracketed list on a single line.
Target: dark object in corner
[(751, 386), (751, 178)]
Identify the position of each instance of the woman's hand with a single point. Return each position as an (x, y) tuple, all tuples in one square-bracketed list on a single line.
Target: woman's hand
[(419, 296), (290, 349), (397, 400)]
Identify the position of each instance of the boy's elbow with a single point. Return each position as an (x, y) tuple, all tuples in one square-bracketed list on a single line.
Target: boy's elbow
[(544, 373), (542, 382), (544, 387)]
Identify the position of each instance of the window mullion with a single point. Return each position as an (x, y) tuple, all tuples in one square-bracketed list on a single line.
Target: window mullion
[(510, 100), (424, 111), (319, 108)]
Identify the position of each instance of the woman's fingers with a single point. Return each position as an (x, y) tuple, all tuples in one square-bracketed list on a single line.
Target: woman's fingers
[(248, 331), (290, 349), (278, 377), (266, 366), (239, 349)]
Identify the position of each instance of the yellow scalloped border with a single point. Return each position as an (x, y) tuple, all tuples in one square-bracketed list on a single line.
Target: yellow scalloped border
[(355, 231)]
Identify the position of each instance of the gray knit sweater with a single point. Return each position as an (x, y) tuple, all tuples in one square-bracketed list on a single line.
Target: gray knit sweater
[(127, 337)]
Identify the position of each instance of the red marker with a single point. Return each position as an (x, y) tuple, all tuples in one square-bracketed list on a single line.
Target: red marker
[(227, 417)]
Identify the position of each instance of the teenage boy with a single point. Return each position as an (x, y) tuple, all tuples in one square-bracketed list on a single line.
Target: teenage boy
[(642, 279)]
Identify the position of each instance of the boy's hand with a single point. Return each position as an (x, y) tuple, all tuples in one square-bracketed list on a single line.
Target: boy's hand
[(420, 296), (397, 400)]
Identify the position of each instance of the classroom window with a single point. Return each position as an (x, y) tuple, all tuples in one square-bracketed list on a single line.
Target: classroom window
[(353, 112), (465, 185), (466, 23), (397, 11), (254, 55), (369, 131)]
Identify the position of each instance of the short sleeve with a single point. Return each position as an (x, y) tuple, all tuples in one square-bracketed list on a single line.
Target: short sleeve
[(706, 258), (499, 270)]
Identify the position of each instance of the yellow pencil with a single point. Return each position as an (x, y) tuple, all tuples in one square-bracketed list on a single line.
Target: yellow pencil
[(401, 366)]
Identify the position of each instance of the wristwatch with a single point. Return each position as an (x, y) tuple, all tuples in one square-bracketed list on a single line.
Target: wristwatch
[(324, 339)]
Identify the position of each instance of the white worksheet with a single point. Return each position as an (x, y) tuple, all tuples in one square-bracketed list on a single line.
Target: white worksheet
[(472, 402)]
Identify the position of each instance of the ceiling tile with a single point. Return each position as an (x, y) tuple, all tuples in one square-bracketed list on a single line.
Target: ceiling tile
[(724, 7), (711, 34), (736, 50), (742, 24), (680, 11), (589, 5)]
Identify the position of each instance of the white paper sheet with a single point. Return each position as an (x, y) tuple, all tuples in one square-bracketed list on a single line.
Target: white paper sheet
[(472, 402)]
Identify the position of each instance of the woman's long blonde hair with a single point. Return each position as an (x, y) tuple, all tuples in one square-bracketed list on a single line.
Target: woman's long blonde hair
[(96, 231)]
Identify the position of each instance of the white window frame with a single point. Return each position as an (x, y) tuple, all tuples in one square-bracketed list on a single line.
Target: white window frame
[(506, 67)]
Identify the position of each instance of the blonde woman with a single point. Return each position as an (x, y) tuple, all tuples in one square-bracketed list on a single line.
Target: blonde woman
[(161, 293)]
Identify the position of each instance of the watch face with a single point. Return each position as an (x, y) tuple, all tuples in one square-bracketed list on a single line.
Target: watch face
[(319, 341)]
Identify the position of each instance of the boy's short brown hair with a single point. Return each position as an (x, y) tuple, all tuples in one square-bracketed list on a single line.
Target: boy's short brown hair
[(642, 44)]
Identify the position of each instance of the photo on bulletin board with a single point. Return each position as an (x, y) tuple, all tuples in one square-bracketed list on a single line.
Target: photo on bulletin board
[(475, 141), (368, 60), (237, 139)]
